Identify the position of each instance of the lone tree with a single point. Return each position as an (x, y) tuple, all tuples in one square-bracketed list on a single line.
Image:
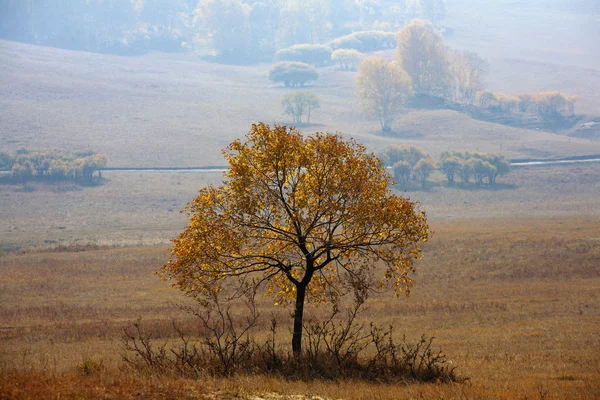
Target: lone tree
[(422, 53), (304, 218), (293, 73), (383, 89), (297, 103)]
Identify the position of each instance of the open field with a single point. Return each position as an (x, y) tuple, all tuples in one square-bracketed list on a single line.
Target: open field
[(176, 110), (142, 208), (514, 304)]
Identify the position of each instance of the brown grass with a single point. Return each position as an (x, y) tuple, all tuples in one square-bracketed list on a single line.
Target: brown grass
[(514, 304)]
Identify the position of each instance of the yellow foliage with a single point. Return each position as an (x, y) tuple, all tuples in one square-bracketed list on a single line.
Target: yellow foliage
[(302, 215)]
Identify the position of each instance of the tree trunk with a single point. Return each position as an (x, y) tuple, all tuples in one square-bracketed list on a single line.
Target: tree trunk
[(298, 314)]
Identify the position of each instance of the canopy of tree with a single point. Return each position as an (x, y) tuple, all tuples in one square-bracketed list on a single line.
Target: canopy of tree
[(304, 218), (293, 73), (383, 89)]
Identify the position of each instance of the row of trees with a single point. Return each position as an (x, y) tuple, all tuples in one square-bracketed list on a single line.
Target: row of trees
[(412, 163), (474, 165), (239, 30), (544, 104), (52, 165)]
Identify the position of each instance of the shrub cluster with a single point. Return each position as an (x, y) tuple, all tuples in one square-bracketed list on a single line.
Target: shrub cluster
[(349, 59), (473, 165), (365, 41), (408, 162), (315, 54), (335, 348), (293, 73), (544, 104), (52, 165)]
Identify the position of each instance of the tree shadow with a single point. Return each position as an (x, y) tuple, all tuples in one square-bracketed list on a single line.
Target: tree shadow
[(473, 187), (396, 133), (302, 125)]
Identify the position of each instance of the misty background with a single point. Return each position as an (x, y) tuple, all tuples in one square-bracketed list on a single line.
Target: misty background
[(247, 31)]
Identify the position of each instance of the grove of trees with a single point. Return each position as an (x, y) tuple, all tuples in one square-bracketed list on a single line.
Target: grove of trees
[(349, 59), (302, 218), (475, 165), (52, 165), (546, 105), (314, 54), (408, 163)]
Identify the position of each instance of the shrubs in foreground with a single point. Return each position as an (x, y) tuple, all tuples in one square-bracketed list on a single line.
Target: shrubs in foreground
[(338, 347)]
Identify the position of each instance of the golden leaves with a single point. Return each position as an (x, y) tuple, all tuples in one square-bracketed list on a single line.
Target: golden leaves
[(297, 211)]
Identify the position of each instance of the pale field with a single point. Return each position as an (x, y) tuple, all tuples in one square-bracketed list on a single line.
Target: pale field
[(176, 110), (142, 208)]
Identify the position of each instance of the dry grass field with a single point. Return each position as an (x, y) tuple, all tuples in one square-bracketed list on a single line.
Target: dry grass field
[(142, 208), (513, 303)]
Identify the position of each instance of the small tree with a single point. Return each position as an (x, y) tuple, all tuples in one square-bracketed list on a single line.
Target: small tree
[(383, 89), (450, 164), (402, 171), (22, 173), (293, 73), (297, 103), (305, 218), (423, 169), (423, 55)]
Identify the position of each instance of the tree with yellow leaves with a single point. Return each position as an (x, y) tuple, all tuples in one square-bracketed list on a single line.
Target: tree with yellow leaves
[(422, 53), (306, 218), (383, 89)]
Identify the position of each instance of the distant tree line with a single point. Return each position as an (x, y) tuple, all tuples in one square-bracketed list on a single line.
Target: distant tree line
[(411, 163), (241, 31), (52, 165), (546, 105)]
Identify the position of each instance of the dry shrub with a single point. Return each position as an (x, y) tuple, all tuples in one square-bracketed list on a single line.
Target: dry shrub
[(336, 347)]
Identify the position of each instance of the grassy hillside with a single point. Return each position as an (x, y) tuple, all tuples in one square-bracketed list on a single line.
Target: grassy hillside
[(159, 110), (535, 45)]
